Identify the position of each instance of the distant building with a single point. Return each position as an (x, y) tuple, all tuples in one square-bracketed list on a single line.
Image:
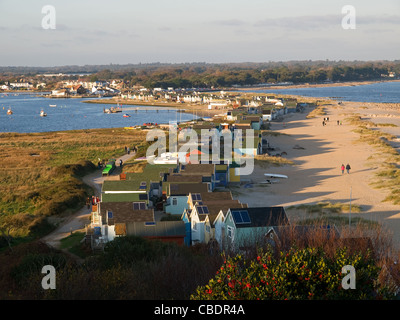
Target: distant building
[(60, 92), (21, 85)]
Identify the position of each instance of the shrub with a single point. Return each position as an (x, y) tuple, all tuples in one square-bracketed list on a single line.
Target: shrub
[(32, 264), (296, 274)]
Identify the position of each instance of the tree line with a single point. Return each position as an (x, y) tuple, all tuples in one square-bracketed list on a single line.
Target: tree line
[(227, 75), (204, 75)]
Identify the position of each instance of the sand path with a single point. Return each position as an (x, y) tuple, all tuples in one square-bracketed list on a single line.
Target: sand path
[(316, 175)]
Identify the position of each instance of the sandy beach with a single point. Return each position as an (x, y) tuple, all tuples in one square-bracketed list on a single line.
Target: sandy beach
[(316, 175)]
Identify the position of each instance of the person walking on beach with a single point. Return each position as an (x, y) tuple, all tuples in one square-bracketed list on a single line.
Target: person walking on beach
[(348, 168), (342, 168)]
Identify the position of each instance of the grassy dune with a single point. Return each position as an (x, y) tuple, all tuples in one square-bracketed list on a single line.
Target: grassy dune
[(387, 158), (41, 173)]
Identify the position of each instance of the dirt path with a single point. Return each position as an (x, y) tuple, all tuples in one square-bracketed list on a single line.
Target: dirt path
[(77, 221), (316, 175)]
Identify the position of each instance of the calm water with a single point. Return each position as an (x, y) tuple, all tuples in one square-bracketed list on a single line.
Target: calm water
[(388, 92), (73, 114)]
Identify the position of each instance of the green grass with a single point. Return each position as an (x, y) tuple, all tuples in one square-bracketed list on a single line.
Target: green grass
[(323, 213), (41, 172), (327, 208), (386, 158), (340, 221), (265, 161), (73, 245), (318, 111)]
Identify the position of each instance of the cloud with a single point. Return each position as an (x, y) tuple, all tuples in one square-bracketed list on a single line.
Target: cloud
[(324, 21), (164, 29), (384, 19), (230, 22), (301, 22)]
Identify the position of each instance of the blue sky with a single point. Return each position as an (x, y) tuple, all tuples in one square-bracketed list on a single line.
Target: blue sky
[(175, 31)]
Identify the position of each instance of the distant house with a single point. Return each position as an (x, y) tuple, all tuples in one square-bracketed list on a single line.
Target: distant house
[(203, 211), (145, 185), (230, 115), (60, 92), (268, 115), (165, 231), (116, 217), (77, 89), (21, 85), (177, 196), (207, 171), (246, 226), (234, 173), (221, 175), (255, 122), (251, 144), (193, 157), (126, 218)]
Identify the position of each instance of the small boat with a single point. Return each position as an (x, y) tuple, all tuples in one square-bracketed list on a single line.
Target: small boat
[(43, 114), (9, 112), (115, 109), (126, 115), (273, 175), (52, 105)]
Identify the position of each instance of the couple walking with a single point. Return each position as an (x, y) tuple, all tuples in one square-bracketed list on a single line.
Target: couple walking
[(347, 168)]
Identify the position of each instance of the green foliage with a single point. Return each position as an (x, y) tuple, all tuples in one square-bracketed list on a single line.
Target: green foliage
[(297, 274), (128, 250), (32, 264)]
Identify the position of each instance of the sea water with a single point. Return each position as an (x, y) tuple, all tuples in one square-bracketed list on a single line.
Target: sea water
[(74, 114), (385, 92)]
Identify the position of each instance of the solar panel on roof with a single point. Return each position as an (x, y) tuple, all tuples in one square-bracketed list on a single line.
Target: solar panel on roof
[(237, 216), (142, 196), (241, 216), (202, 209), (139, 206), (196, 196), (245, 216)]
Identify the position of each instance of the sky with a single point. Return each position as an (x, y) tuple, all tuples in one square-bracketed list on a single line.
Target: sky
[(91, 32)]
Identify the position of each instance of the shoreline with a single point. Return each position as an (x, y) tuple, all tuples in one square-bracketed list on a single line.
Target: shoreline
[(199, 110), (317, 85)]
